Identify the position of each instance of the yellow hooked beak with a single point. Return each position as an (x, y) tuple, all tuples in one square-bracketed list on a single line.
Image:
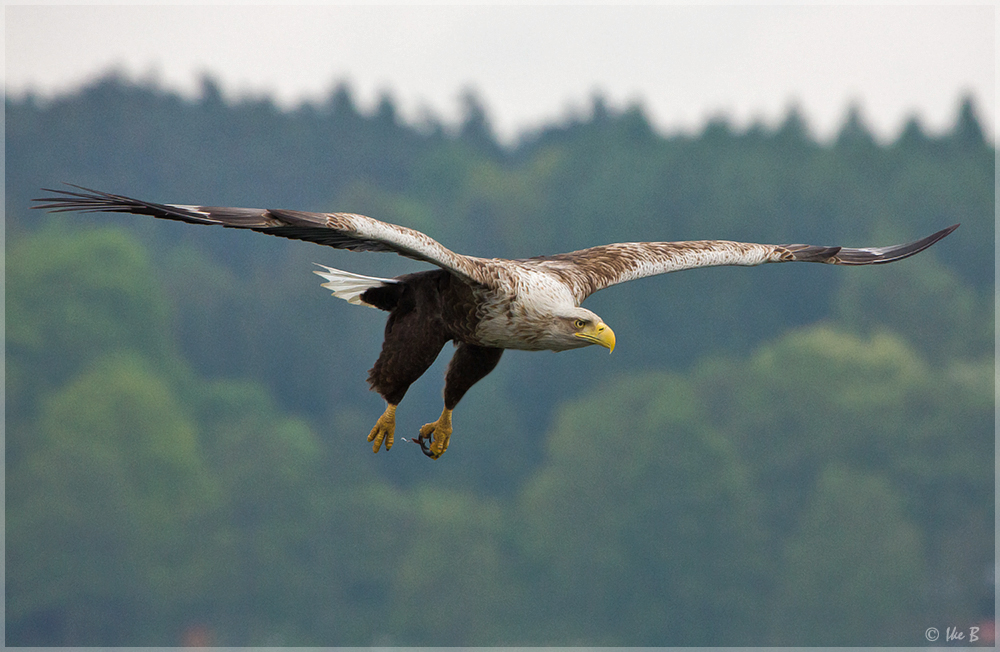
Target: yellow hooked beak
[(599, 333)]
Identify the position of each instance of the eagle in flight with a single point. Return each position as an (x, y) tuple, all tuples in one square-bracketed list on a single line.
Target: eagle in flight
[(483, 305)]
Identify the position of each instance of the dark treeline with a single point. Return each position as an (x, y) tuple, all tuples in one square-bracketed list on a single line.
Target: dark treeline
[(784, 455)]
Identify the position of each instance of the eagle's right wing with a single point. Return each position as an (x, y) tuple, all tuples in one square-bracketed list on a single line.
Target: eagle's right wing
[(589, 270), (338, 230)]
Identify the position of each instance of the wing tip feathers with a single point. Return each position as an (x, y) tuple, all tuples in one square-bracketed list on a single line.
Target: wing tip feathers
[(864, 256)]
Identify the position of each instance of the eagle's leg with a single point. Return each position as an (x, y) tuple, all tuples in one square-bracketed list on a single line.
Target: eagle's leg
[(384, 430), (469, 365), (412, 342)]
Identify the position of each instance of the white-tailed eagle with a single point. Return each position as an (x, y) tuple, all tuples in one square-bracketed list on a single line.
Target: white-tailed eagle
[(484, 305)]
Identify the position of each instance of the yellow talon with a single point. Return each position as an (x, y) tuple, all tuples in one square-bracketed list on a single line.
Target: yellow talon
[(384, 430), (439, 433)]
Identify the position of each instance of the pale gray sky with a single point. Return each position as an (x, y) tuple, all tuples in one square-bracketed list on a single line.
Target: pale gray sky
[(531, 65)]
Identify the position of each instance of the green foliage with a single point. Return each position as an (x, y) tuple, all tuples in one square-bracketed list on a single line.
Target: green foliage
[(453, 583), (643, 522), (854, 569), (100, 507), (869, 403), (785, 455), (71, 300), (872, 406)]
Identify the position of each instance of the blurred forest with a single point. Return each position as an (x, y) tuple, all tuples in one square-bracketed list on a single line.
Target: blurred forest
[(780, 455)]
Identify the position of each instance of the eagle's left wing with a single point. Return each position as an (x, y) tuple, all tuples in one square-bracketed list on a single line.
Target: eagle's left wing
[(589, 270), (338, 230)]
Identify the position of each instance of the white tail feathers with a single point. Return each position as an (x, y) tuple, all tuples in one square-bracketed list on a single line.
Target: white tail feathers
[(348, 286)]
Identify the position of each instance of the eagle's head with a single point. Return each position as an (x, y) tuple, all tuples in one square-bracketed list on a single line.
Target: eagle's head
[(580, 327)]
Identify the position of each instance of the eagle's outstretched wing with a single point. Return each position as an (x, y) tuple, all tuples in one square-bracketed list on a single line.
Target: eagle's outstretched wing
[(339, 230), (589, 270)]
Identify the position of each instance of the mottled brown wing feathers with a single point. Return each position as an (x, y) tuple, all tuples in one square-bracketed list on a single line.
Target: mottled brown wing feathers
[(338, 230), (589, 270)]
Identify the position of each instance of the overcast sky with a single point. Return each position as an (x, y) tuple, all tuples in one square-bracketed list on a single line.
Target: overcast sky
[(532, 65)]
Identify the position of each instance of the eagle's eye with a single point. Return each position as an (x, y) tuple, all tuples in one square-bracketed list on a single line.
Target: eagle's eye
[(580, 323)]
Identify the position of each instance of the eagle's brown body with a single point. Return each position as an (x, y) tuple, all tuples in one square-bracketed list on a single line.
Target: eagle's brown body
[(482, 305), (426, 311)]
